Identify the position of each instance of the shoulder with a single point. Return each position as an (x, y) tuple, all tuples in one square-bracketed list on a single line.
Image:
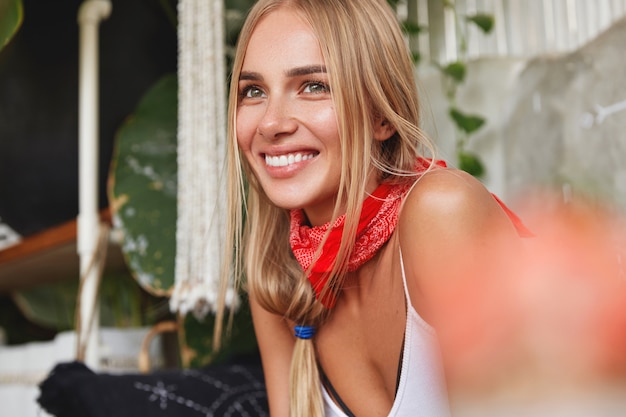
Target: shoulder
[(451, 203), (450, 229)]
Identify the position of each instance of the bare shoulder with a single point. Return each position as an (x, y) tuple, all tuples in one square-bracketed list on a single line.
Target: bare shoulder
[(450, 229), (449, 203)]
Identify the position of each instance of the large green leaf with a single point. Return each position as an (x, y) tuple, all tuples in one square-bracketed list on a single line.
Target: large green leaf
[(143, 185), (122, 303), (11, 16), (197, 344)]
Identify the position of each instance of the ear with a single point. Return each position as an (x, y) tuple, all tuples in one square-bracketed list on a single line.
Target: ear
[(383, 130)]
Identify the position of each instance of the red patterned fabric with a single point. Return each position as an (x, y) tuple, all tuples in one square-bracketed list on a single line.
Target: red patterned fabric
[(379, 217), (378, 220)]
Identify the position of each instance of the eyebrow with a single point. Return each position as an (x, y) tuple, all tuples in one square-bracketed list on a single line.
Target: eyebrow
[(306, 70), (249, 75), (293, 72)]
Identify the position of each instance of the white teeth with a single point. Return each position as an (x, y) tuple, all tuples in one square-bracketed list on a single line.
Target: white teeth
[(286, 160)]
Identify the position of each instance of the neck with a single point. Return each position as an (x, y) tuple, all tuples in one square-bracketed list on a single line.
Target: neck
[(316, 248), (358, 285), (318, 216)]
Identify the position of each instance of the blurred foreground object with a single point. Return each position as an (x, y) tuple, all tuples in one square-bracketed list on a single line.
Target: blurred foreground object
[(544, 332)]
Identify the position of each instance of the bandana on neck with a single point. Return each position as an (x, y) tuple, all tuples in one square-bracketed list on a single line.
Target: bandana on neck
[(378, 220), (379, 216)]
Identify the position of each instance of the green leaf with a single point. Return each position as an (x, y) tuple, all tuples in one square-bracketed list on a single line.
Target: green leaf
[(470, 163), (143, 187), (484, 21), (455, 70), (465, 122), (122, 303), (51, 306), (411, 28), (416, 57), (11, 17), (197, 345)]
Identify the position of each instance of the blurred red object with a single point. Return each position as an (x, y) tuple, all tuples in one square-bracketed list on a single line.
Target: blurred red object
[(551, 317)]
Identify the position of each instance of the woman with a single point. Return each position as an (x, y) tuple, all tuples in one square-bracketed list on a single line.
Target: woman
[(347, 229)]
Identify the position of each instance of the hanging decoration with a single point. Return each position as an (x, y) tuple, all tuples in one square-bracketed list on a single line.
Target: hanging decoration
[(201, 156)]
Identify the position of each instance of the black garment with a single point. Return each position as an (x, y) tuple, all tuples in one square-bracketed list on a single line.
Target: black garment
[(73, 390)]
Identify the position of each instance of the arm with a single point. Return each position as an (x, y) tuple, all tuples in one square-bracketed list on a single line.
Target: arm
[(459, 247), (276, 346)]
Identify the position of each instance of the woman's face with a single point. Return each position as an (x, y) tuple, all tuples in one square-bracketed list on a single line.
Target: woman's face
[(286, 121)]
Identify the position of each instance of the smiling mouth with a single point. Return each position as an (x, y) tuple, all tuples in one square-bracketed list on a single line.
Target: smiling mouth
[(288, 159)]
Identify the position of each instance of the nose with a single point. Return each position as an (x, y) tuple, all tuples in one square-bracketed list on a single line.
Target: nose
[(277, 120)]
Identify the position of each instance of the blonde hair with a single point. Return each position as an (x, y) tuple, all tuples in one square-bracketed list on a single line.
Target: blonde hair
[(371, 80)]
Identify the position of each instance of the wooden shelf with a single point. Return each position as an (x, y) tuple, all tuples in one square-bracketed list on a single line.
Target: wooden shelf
[(47, 257)]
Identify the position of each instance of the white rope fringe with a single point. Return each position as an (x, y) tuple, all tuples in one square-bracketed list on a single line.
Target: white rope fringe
[(201, 156)]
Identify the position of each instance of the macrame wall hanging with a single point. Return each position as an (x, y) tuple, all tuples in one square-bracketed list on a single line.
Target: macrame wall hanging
[(201, 156)]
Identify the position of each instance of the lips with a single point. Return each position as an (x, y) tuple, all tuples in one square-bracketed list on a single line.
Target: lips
[(288, 159)]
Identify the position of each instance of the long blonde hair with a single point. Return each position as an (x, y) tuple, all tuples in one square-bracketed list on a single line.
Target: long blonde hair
[(371, 80)]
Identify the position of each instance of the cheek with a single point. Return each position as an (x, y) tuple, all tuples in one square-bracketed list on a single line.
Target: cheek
[(245, 130), (325, 122)]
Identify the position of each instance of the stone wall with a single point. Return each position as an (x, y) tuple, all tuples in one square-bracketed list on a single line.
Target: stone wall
[(552, 121)]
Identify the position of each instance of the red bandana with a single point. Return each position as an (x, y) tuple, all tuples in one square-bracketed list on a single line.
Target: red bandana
[(379, 217), (378, 220)]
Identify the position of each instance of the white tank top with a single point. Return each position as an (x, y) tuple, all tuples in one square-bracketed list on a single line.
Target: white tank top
[(421, 390)]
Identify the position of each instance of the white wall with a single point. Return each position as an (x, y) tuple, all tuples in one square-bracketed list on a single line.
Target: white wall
[(523, 28), (556, 113)]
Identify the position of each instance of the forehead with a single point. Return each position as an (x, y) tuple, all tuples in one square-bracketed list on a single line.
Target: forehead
[(282, 37)]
